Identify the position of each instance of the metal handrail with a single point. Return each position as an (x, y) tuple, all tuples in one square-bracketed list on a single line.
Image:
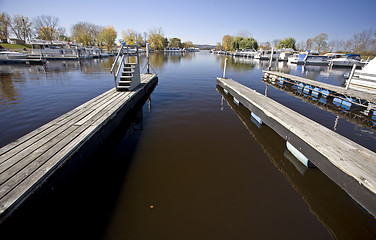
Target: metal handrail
[(117, 57), (120, 65)]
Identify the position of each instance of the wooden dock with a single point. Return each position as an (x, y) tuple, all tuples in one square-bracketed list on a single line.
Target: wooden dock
[(335, 89), (348, 164), (28, 162)]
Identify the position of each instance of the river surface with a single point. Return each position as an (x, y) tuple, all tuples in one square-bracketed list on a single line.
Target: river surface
[(188, 163)]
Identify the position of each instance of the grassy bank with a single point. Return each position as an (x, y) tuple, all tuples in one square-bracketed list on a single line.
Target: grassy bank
[(15, 46)]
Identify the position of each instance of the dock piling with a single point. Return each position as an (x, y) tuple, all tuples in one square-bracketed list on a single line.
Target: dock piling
[(147, 59), (224, 68)]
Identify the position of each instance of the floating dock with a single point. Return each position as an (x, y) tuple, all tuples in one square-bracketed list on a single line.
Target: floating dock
[(348, 164), (361, 98), (342, 107), (28, 162)]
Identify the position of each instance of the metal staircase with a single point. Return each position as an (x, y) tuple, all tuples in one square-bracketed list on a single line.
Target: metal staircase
[(129, 78)]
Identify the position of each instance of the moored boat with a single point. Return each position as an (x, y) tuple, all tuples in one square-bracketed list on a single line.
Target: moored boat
[(364, 79), (347, 60), (5, 54)]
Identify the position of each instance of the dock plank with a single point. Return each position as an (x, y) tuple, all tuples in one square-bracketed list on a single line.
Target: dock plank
[(27, 162), (48, 131), (58, 121)]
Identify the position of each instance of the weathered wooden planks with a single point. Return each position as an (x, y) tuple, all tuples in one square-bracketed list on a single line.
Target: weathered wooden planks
[(31, 159), (347, 163)]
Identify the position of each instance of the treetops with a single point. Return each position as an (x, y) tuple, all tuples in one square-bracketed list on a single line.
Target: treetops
[(85, 33), (363, 43)]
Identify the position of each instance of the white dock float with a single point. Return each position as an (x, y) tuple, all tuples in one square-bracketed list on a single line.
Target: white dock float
[(348, 164), (28, 162)]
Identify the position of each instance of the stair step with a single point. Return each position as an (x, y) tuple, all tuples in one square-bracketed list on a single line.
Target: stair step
[(123, 87), (124, 83), (126, 77)]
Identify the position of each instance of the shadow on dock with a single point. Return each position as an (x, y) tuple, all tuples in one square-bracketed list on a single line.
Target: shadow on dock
[(78, 199), (337, 211)]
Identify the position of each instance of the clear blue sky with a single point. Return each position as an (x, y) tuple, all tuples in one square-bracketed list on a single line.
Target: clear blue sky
[(207, 21)]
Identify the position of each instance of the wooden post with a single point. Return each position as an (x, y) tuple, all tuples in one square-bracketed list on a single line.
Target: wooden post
[(224, 68), (350, 77), (271, 59), (147, 59)]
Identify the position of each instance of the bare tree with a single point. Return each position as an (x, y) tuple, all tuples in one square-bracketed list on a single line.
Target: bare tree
[(363, 41), (336, 46), (308, 44), (21, 27), (301, 46), (275, 42), (244, 34), (46, 27)]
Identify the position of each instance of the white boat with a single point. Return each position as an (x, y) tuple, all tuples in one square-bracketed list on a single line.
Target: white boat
[(364, 79), (284, 56), (266, 54), (174, 50), (319, 60), (347, 60), (245, 53), (192, 49), (309, 58), (293, 58), (59, 50), (5, 54)]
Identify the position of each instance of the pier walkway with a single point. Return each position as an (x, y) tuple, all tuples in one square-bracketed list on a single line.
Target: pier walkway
[(29, 161), (348, 164)]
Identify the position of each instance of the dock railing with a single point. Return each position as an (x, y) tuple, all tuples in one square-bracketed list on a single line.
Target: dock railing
[(120, 60)]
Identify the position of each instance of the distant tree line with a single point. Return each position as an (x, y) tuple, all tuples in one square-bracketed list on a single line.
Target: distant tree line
[(47, 28), (88, 34), (155, 38), (363, 43)]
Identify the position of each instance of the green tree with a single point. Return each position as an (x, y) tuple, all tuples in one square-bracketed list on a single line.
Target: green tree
[(175, 42), (131, 37), (320, 41), (235, 44), (4, 26), (106, 37), (287, 43), (219, 46), (85, 33), (226, 42), (157, 40), (248, 43), (46, 33), (188, 44)]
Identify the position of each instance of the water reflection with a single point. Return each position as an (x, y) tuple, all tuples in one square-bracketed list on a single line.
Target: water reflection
[(343, 218), (237, 64), (9, 94)]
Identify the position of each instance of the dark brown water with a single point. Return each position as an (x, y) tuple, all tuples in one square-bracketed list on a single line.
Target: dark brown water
[(188, 164)]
